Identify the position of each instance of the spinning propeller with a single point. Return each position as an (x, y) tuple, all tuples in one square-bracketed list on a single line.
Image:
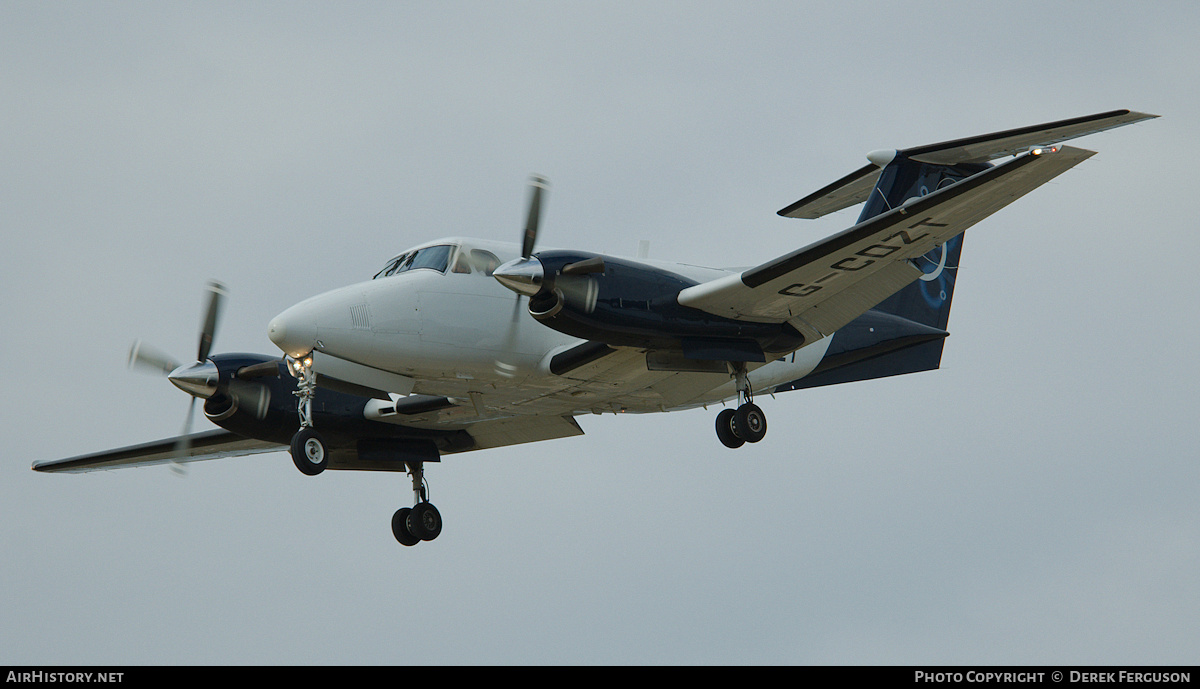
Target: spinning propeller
[(548, 292), (521, 270), (203, 378)]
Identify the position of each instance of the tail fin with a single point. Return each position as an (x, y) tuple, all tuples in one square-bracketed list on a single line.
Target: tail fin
[(905, 332), (926, 300)]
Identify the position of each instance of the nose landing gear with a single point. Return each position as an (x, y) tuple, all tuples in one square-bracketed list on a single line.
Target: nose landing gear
[(308, 452), (308, 447)]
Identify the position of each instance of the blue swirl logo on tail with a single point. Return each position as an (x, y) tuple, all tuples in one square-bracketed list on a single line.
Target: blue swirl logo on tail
[(938, 280)]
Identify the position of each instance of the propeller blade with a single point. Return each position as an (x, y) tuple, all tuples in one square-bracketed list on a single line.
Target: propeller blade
[(211, 316), (150, 358), (537, 186), (184, 443), (524, 283), (501, 367), (202, 378)]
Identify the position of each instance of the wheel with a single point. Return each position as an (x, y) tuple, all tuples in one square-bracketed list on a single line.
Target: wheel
[(400, 527), (425, 521), (725, 430), (750, 423), (308, 452)]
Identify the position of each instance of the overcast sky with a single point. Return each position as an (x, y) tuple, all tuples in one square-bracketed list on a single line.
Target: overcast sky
[(1034, 501)]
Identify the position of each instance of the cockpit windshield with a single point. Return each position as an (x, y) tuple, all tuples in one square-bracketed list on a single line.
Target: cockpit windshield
[(431, 257)]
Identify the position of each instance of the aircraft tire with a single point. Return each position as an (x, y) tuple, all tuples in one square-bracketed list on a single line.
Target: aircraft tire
[(400, 527), (750, 423), (725, 430), (425, 521), (308, 452)]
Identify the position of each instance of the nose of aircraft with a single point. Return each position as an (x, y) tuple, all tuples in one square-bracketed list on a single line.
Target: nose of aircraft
[(292, 332)]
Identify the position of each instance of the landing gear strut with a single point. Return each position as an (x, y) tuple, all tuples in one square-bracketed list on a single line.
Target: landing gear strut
[(308, 447), (747, 423), (422, 521)]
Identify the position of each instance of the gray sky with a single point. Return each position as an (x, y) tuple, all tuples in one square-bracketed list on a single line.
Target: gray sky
[(1031, 502)]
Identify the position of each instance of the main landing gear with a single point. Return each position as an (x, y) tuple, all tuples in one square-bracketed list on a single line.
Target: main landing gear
[(747, 423), (422, 521)]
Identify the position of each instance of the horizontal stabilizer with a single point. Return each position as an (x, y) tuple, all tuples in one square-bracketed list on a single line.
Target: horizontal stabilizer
[(856, 187), (850, 190), (980, 149)]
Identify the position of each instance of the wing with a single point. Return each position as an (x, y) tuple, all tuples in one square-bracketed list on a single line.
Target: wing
[(206, 445), (820, 288)]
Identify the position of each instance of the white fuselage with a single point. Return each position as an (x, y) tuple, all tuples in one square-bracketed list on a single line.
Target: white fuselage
[(457, 332)]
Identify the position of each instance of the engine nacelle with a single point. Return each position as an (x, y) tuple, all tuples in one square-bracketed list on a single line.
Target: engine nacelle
[(249, 403), (632, 304)]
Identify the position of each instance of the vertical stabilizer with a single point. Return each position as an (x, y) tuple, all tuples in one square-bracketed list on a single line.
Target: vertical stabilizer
[(926, 300)]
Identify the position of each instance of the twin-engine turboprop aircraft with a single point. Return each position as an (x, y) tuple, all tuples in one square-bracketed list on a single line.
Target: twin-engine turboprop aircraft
[(466, 344)]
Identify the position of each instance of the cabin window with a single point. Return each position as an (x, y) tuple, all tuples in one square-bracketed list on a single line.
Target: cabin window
[(484, 261), (390, 268), (432, 257), (461, 263)]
